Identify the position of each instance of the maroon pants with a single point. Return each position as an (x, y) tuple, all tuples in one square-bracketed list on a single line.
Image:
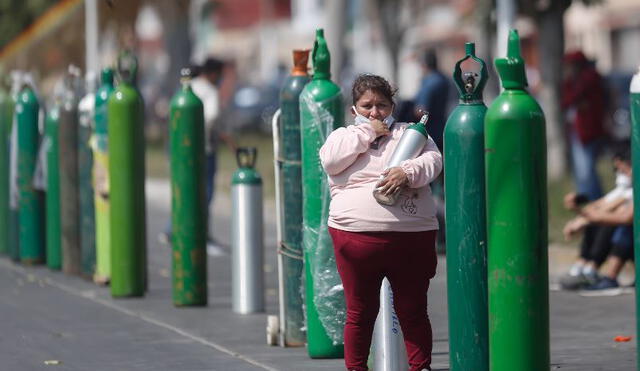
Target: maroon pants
[(408, 260)]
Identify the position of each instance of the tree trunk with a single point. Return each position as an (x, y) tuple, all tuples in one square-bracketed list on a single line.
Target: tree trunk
[(551, 46)]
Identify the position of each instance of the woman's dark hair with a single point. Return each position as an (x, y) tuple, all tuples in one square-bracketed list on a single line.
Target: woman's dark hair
[(374, 83), (623, 153)]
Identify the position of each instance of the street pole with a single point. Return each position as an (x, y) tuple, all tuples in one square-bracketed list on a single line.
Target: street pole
[(91, 35), (505, 19)]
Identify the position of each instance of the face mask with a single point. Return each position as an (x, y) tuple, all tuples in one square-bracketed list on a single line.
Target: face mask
[(623, 180), (360, 119)]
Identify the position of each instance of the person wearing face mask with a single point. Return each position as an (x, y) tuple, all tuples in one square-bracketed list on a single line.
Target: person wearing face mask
[(606, 226), (374, 241)]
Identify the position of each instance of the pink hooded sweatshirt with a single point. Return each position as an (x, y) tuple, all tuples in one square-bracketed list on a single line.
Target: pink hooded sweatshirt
[(354, 169)]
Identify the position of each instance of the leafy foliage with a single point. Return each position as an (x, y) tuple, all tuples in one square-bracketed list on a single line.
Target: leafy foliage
[(17, 15)]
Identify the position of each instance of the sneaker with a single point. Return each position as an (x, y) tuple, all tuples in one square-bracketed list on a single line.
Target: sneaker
[(571, 282), (604, 287), (164, 238)]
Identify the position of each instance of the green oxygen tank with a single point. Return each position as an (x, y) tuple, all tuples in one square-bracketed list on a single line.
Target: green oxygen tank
[(54, 231), (126, 180), (14, 222), (634, 90), (86, 108), (101, 179), (290, 170), (188, 199), (5, 129), (31, 209), (321, 111), (466, 221), (68, 168), (516, 181)]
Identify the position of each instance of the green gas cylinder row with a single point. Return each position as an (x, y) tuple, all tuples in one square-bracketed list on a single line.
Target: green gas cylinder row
[(101, 179), (291, 191), (86, 108), (466, 222), (68, 170), (188, 199), (321, 111), (54, 232), (634, 90), (31, 202), (126, 180), (516, 188), (5, 128), (14, 222)]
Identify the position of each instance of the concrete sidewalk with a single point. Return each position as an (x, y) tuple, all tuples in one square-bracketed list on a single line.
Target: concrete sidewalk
[(51, 316)]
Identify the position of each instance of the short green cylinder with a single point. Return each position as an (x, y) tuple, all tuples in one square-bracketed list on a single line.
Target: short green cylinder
[(54, 234), (188, 200), (31, 210), (5, 125), (86, 108), (68, 171), (101, 179), (126, 180)]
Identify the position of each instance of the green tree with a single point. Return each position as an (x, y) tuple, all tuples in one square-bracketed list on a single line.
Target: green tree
[(17, 15)]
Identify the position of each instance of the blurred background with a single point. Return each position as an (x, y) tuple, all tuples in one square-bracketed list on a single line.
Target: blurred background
[(388, 37)]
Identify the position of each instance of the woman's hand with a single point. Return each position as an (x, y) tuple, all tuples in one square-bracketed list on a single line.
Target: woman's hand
[(394, 179), (380, 128)]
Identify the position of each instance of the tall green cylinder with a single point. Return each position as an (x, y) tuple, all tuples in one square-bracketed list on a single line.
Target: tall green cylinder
[(516, 181), (126, 180), (5, 126), (86, 108), (101, 179), (54, 233), (291, 197), (634, 90), (31, 210), (466, 223), (321, 111), (68, 170), (188, 199)]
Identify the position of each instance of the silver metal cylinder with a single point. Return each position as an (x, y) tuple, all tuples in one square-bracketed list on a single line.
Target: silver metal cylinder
[(389, 351), (247, 253), (410, 146)]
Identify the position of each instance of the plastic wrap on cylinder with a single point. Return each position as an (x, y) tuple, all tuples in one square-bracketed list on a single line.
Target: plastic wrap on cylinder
[(327, 285)]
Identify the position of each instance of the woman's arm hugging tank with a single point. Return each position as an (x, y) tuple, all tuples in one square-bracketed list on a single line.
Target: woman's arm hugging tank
[(343, 146)]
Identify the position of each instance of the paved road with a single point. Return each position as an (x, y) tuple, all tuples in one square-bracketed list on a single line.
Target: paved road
[(47, 316)]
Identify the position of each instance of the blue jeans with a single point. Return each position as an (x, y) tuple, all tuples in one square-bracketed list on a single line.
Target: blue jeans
[(211, 164), (584, 158)]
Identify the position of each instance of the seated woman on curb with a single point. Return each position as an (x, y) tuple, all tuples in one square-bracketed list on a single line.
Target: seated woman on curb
[(612, 217), (373, 241)]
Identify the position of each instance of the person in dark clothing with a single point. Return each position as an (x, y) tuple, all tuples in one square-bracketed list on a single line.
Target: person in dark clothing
[(583, 100), (432, 97)]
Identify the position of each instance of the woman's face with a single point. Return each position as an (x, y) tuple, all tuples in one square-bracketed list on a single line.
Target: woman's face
[(373, 106)]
